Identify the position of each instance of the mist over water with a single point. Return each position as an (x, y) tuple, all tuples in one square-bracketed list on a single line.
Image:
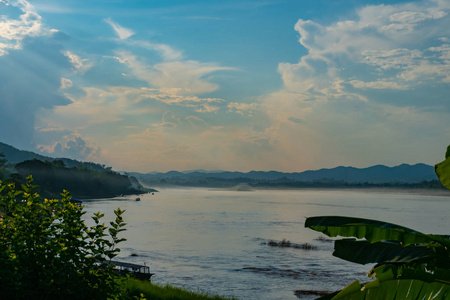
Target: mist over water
[(214, 241)]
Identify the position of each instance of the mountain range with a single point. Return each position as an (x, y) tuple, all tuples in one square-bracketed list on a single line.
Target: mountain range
[(378, 174)]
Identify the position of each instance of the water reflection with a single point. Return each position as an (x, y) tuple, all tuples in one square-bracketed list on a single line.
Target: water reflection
[(210, 240)]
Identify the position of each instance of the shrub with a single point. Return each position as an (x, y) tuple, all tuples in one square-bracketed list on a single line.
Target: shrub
[(47, 251)]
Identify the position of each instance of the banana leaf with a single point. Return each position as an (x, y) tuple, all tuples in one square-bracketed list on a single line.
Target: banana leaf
[(412, 271), (394, 290), (373, 231), (364, 252), (442, 170)]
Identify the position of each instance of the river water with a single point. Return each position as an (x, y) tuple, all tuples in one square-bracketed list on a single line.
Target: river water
[(215, 241)]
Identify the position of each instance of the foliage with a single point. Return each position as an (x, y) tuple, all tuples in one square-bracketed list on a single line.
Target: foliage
[(3, 162), (409, 264), (54, 176), (148, 290), (442, 169), (47, 251)]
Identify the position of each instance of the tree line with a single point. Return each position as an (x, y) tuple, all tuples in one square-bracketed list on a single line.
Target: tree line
[(53, 177)]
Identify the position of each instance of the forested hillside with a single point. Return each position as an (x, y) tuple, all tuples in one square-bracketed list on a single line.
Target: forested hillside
[(82, 179)]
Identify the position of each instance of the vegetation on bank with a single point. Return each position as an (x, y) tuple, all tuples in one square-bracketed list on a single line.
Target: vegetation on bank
[(48, 252), (84, 180), (402, 176), (150, 291), (409, 264), (285, 183)]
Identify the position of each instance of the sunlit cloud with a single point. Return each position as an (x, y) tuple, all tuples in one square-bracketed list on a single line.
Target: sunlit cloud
[(72, 146), (242, 108), (372, 83), (13, 31), (79, 64), (364, 80), (167, 52), (377, 85), (186, 77), (122, 32)]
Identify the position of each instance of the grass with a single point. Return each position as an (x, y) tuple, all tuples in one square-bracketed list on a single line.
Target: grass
[(152, 291)]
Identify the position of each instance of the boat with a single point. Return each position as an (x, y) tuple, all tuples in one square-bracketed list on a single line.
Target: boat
[(135, 270), (138, 199)]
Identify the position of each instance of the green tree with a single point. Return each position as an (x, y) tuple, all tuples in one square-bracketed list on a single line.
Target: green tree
[(409, 264), (47, 251), (3, 162)]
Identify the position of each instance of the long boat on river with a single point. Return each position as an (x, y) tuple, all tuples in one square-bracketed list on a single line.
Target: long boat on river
[(135, 270)]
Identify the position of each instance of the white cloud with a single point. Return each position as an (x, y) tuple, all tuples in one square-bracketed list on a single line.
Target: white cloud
[(167, 52), (122, 32), (242, 108), (384, 46), (72, 146), (66, 83), (13, 31), (369, 90), (79, 64), (377, 85), (186, 77), (119, 104)]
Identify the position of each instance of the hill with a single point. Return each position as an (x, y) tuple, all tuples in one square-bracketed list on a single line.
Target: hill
[(82, 179), (14, 156), (403, 175)]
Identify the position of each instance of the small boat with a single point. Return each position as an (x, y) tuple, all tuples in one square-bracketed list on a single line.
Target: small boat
[(137, 271), (138, 199)]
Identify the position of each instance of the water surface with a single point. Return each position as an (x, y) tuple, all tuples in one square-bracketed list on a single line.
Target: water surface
[(213, 241)]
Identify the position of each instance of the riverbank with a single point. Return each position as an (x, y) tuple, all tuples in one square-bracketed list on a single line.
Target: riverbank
[(148, 290)]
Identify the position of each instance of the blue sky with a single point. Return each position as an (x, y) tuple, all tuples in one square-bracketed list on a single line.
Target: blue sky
[(232, 85)]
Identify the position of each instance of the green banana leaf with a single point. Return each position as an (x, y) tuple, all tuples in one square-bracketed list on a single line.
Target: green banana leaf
[(412, 271), (373, 231), (364, 252), (442, 170), (393, 290)]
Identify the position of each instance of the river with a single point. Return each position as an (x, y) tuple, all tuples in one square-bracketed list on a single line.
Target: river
[(215, 241)]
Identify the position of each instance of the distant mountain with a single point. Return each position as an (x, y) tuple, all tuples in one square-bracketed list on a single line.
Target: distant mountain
[(339, 176), (15, 156), (379, 174)]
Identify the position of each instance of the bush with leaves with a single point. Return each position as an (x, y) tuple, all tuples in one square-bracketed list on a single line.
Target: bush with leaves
[(48, 252), (409, 264)]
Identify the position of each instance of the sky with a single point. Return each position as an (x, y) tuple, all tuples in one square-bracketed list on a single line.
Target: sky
[(238, 85)]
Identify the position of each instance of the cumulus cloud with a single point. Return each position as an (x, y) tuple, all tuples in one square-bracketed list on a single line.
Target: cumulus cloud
[(122, 32), (110, 113), (378, 79), (383, 48), (73, 147), (14, 31)]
